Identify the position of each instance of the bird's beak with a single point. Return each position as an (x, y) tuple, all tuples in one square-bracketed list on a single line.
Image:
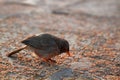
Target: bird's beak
[(69, 54)]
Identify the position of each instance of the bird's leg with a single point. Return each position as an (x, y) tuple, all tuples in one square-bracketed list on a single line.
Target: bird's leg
[(16, 51), (52, 60), (45, 60), (38, 56)]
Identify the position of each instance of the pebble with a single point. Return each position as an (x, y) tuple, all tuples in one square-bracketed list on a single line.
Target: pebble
[(59, 75)]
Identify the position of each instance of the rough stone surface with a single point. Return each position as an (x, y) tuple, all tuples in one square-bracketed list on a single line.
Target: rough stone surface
[(81, 64), (92, 28)]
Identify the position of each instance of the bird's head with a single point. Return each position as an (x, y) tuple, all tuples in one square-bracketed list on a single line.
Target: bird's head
[(64, 46)]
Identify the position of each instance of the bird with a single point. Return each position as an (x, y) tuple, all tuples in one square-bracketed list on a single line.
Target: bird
[(45, 46)]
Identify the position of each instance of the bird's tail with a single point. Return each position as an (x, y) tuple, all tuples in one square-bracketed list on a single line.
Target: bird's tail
[(16, 51)]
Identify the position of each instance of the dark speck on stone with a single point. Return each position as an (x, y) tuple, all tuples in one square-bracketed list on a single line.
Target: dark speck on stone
[(66, 72), (43, 73)]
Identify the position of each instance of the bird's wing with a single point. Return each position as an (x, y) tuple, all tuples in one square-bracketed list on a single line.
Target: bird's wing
[(44, 44)]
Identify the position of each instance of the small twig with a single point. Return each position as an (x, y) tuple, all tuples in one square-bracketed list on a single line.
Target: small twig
[(16, 51)]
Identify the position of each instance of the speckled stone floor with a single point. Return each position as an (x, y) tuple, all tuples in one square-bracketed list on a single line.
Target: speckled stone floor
[(94, 41)]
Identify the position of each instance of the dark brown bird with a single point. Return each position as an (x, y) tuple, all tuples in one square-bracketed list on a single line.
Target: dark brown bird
[(45, 46)]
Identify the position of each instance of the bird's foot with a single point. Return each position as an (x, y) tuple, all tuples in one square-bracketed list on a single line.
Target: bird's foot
[(50, 61)]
